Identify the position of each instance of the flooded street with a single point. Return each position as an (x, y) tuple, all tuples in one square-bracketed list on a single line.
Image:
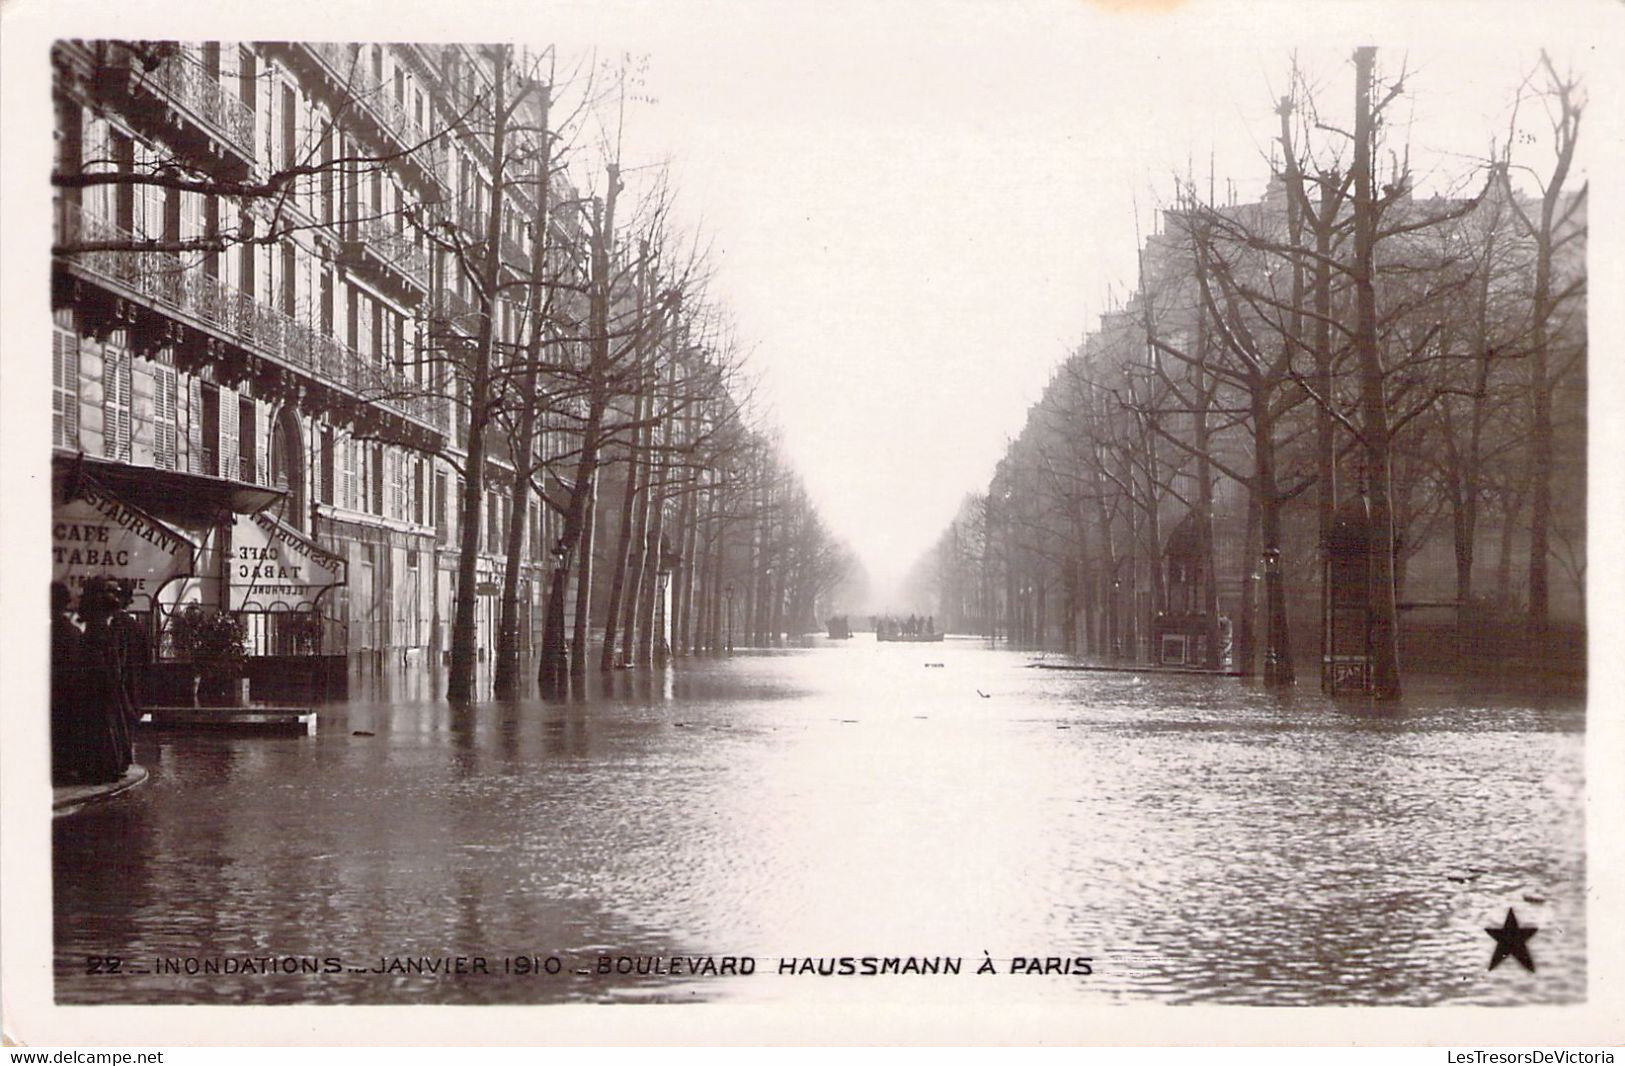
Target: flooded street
[(1196, 840)]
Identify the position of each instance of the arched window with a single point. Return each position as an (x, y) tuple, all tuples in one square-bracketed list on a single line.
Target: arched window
[(288, 466)]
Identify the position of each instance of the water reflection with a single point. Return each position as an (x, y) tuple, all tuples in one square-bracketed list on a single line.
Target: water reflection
[(1198, 840)]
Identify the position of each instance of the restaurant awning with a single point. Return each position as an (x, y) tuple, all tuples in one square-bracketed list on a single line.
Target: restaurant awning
[(173, 491), (96, 532), (274, 567)]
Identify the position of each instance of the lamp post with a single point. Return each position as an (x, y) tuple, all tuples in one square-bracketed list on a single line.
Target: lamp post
[(555, 659), (1277, 665), (728, 616), (764, 622)]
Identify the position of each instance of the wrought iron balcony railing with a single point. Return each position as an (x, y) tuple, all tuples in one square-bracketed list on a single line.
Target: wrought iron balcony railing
[(183, 289), (396, 248), (181, 79)]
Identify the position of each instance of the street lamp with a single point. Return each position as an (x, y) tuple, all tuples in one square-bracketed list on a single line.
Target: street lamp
[(555, 656), (1277, 666), (728, 600)]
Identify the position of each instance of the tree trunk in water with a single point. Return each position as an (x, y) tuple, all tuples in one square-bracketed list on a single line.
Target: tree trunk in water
[(576, 539), (581, 630), (464, 629), (506, 683), (1385, 680), (618, 559)]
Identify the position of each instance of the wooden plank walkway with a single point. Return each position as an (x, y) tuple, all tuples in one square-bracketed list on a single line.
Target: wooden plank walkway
[(1188, 671), (299, 721)]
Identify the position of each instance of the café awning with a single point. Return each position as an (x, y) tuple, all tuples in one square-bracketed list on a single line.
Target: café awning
[(97, 532), (176, 490), (275, 567)]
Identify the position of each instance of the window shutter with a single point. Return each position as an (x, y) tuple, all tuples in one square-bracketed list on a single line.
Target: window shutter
[(347, 499), (262, 458), (228, 433), (116, 389), (194, 425), (165, 438), (65, 388)]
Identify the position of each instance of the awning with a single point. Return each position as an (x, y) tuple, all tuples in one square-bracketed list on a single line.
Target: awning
[(174, 491), (95, 532), (274, 567)]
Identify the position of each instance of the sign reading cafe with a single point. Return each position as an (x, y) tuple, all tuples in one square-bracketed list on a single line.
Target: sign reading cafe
[(274, 566), (95, 534)]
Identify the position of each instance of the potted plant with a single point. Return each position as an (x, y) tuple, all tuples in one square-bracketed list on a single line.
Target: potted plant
[(212, 641)]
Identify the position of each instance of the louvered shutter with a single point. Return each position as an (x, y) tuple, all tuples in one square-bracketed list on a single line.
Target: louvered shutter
[(65, 388), (347, 496), (262, 453), (116, 389), (229, 465), (165, 444), (194, 425)]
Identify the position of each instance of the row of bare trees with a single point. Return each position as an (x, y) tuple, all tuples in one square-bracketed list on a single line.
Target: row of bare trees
[(569, 334), (1343, 349)]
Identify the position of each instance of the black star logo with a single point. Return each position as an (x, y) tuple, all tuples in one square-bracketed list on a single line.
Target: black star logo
[(1512, 939)]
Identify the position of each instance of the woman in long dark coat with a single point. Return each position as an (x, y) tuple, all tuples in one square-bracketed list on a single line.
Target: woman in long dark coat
[(105, 711), (66, 696)]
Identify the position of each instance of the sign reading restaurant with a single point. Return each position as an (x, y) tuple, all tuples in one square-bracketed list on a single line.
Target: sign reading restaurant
[(275, 566), (95, 534)]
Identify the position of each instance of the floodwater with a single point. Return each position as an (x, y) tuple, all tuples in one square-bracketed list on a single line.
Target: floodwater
[(921, 806)]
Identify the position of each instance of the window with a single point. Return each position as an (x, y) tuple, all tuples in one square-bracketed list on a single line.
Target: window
[(326, 282), (377, 479), (245, 283), (172, 214), (65, 388), (327, 180), (324, 487), (124, 195), (247, 441), (165, 418), (290, 135), (417, 491), (442, 529), (211, 228), (117, 386), (290, 269), (246, 78), (211, 429)]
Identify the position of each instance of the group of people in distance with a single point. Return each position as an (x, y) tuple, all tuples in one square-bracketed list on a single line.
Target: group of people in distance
[(912, 626), (96, 668)]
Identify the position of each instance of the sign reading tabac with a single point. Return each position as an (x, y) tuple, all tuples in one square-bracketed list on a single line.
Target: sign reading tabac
[(274, 565), (95, 534)]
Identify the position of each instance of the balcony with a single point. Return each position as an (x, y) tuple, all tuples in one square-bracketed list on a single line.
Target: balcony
[(352, 73), (456, 312), (392, 249), (185, 292), (197, 104)]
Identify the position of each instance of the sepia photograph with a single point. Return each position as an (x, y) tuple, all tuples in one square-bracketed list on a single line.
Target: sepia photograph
[(948, 507)]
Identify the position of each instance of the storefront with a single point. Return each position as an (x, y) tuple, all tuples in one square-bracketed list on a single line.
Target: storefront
[(180, 539)]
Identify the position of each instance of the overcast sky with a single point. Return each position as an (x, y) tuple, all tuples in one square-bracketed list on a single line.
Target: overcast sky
[(917, 209)]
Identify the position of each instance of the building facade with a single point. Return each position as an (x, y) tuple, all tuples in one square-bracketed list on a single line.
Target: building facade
[(258, 336)]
